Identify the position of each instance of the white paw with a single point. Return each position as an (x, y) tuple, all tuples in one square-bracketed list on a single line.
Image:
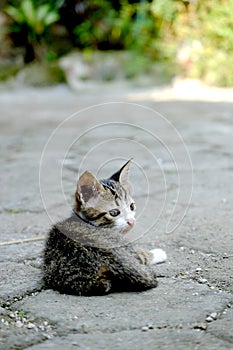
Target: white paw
[(159, 256)]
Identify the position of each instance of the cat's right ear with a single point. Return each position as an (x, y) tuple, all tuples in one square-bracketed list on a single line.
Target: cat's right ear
[(123, 174), (88, 186)]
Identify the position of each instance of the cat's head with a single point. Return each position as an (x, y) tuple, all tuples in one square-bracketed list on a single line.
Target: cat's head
[(106, 203)]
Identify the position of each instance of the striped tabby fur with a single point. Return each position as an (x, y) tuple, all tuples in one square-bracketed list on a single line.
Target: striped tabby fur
[(87, 254)]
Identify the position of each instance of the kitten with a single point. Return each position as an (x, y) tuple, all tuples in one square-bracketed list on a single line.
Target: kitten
[(87, 254)]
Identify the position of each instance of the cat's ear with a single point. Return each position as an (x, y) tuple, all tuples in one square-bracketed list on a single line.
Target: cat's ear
[(123, 174), (88, 187)]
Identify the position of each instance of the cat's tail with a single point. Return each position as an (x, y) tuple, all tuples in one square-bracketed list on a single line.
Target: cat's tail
[(130, 275)]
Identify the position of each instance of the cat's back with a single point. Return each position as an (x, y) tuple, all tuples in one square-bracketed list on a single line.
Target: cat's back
[(73, 241), (76, 232), (70, 254), (76, 252)]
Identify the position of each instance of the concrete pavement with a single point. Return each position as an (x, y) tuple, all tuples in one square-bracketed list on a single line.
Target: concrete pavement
[(192, 306)]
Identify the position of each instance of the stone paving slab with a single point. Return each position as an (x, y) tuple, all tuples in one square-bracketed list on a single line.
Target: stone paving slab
[(195, 282), (136, 340), (162, 312), (160, 306), (18, 279)]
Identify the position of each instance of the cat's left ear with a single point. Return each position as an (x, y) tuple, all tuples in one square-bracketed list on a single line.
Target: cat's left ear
[(122, 175)]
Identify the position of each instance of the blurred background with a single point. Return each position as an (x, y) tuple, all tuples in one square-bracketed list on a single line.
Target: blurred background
[(148, 42)]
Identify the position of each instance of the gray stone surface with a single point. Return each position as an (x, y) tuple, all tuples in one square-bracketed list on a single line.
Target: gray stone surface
[(160, 306), (194, 283), (165, 339)]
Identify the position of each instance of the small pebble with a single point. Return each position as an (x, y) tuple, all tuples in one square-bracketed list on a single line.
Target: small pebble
[(19, 324), (48, 336), (162, 326), (30, 325), (150, 326), (209, 319), (145, 328), (198, 269), (214, 315), (202, 280), (200, 326), (184, 277)]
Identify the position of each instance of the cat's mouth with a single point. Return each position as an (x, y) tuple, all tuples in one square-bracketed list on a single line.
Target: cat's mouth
[(125, 228), (124, 225)]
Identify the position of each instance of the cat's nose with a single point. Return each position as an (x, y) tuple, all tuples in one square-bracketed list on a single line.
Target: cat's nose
[(130, 222)]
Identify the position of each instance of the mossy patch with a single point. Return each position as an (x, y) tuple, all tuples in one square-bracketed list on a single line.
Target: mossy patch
[(8, 71), (41, 74)]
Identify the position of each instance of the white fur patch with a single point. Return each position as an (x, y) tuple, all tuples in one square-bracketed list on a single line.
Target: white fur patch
[(159, 256)]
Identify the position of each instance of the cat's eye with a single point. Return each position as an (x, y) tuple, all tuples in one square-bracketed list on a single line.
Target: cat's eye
[(114, 212), (132, 206)]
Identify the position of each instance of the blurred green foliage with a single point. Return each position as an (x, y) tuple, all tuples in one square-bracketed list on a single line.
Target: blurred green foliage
[(31, 20), (37, 19), (198, 35), (132, 26), (209, 30)]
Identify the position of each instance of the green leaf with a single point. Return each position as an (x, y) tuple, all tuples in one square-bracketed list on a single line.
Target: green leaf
[(15, 14), (51, 18), (42, 12), (29, 12)]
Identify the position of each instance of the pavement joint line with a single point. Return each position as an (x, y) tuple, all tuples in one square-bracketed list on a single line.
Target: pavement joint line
[(7, 304)]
